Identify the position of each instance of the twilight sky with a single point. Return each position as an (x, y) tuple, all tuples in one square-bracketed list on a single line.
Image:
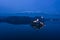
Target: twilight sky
[(16, 6)]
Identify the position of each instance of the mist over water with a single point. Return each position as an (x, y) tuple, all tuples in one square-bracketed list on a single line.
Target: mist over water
[(46, 8), (10, 31)]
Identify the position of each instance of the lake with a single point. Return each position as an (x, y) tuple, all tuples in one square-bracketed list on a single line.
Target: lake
[(17, 32)]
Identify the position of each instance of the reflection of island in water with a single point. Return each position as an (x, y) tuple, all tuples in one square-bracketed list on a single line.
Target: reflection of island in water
[(35, 22)]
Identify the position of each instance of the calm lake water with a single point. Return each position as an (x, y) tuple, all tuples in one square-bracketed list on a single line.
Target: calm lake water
[(17, 32)]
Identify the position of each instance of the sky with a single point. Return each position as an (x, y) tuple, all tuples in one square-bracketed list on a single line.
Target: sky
[(17, 6)]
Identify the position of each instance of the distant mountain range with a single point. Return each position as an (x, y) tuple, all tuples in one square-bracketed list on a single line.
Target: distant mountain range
[(30, 13)]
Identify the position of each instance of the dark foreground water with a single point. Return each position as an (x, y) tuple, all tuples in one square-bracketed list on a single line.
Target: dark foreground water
[(21, 32)]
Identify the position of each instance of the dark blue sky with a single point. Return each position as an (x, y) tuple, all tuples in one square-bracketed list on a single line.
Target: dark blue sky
[(16, 6)]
